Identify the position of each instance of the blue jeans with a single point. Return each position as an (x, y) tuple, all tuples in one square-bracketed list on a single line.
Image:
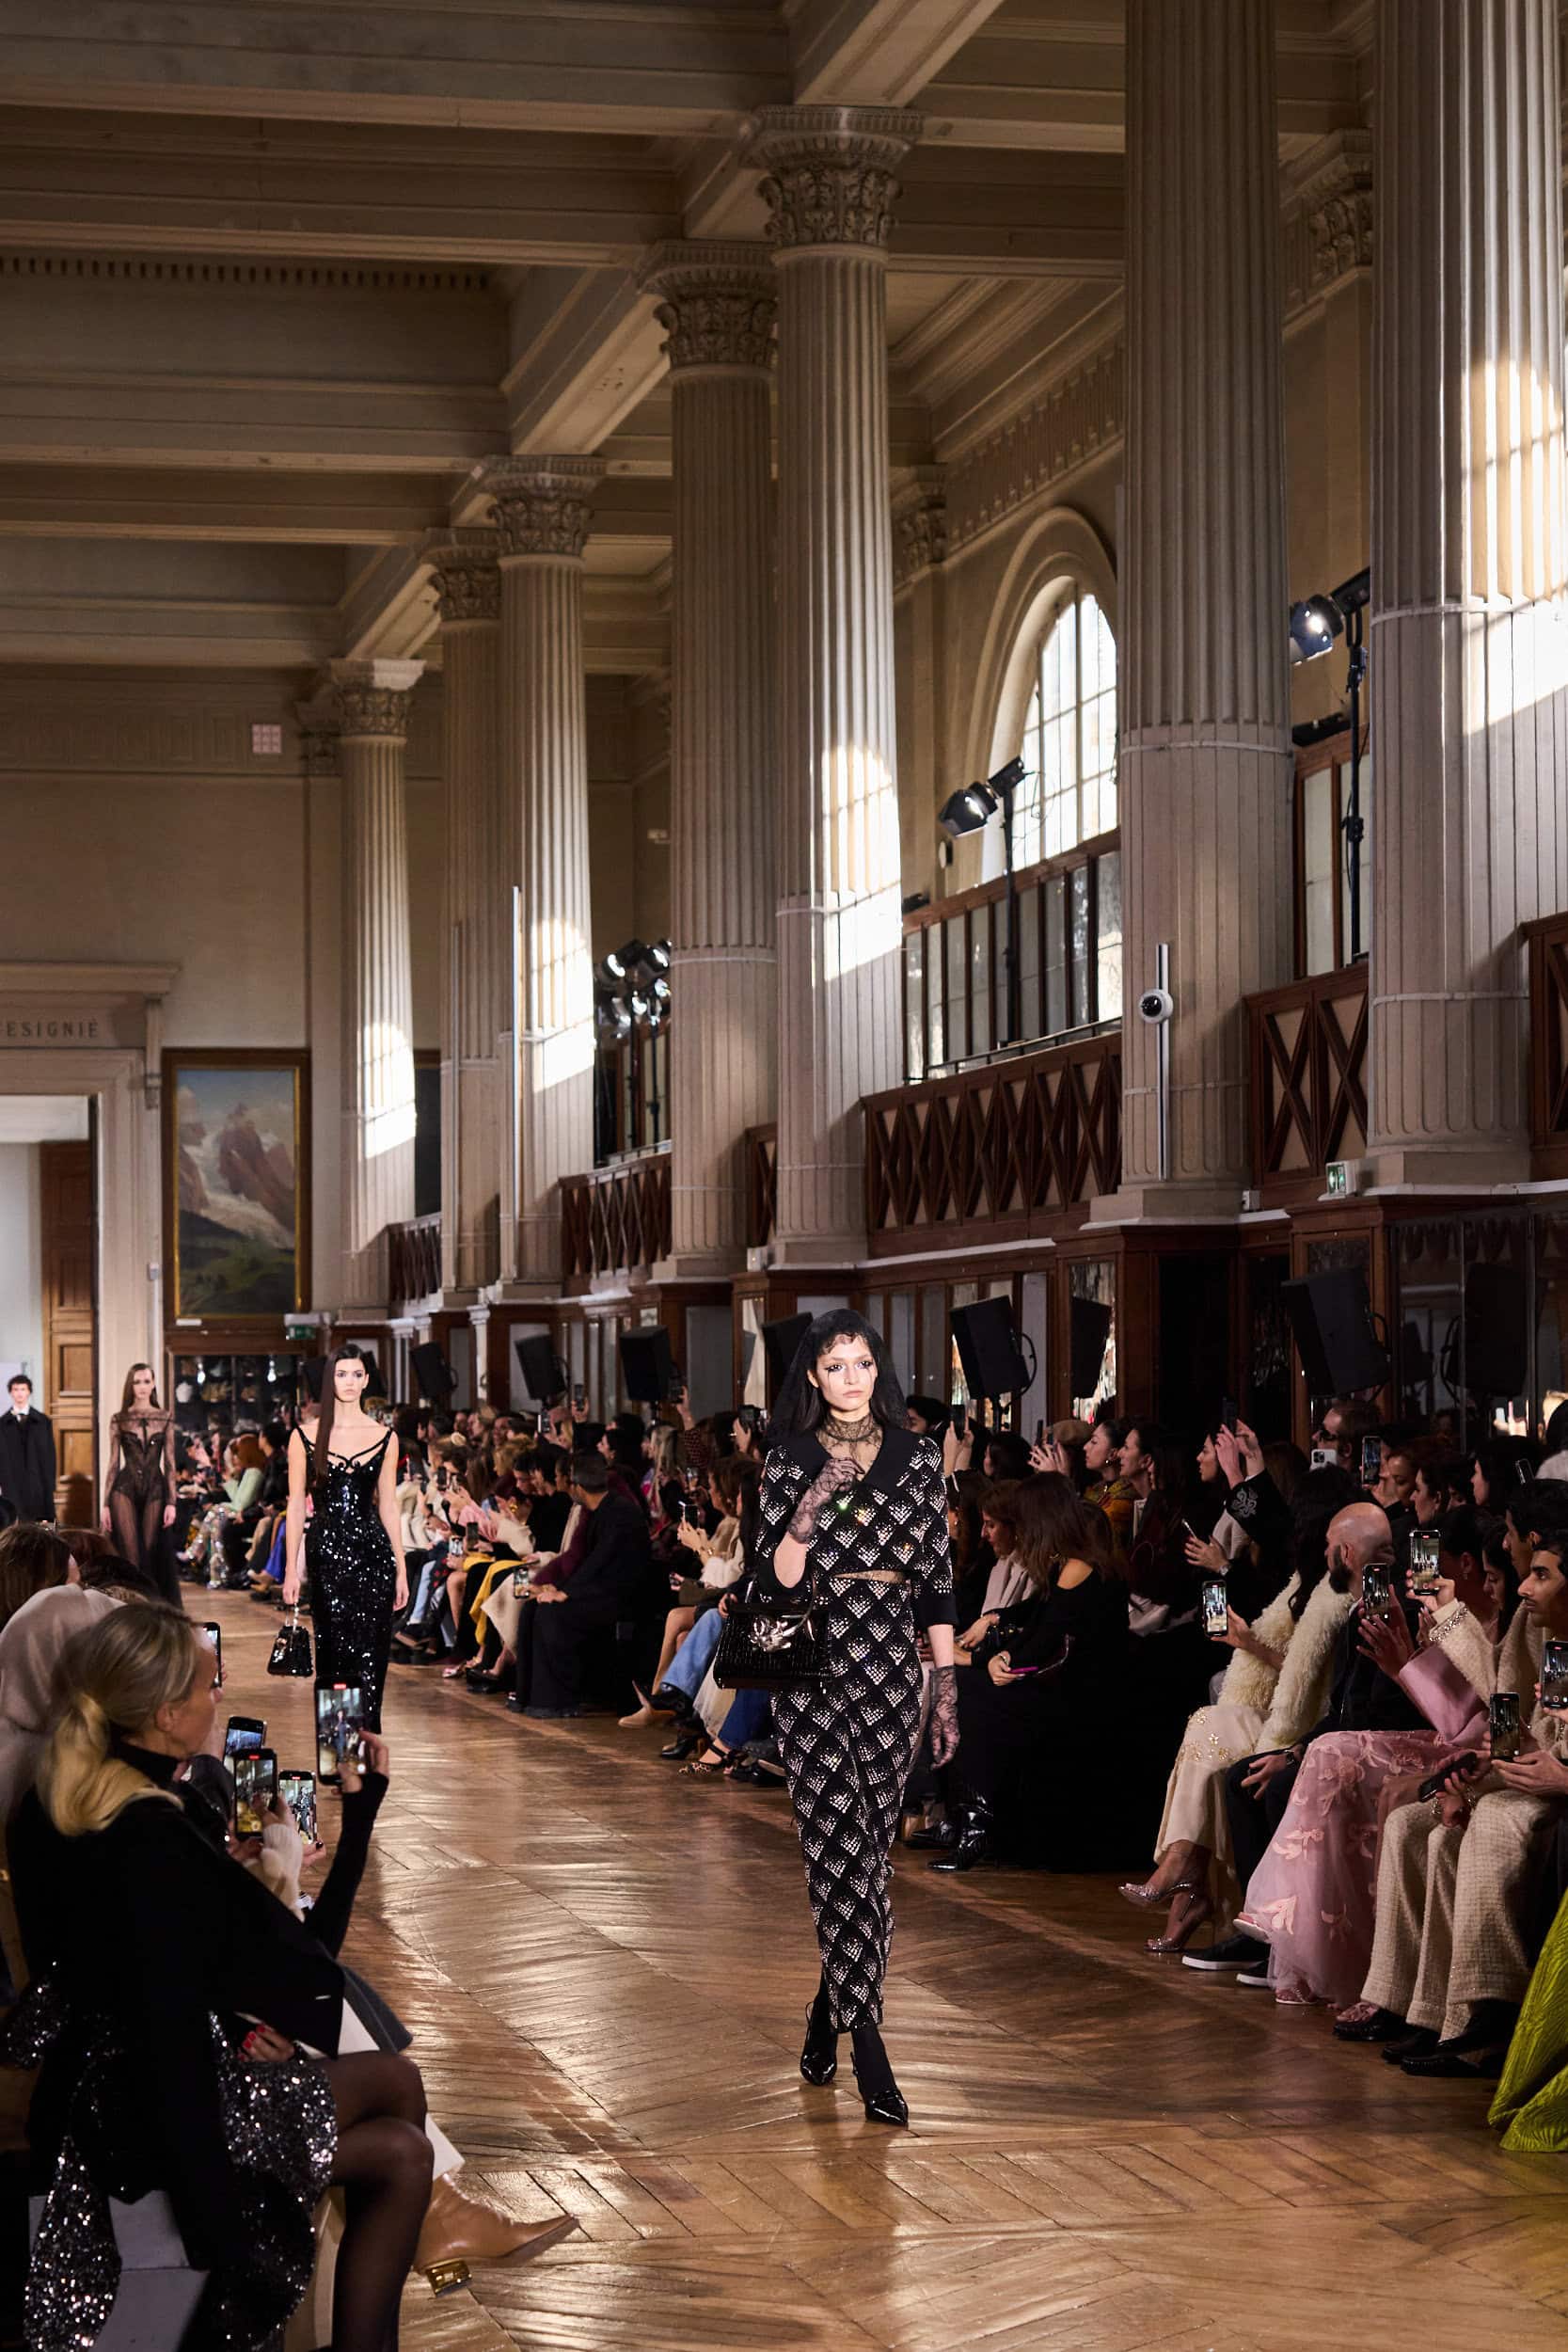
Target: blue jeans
[(688, 1668)]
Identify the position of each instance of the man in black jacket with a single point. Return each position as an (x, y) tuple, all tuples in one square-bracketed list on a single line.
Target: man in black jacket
[(26, 1455), (605, 1585), (1362, 1698)]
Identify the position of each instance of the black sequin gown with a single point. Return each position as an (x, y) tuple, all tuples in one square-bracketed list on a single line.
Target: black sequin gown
[(353, 1578)]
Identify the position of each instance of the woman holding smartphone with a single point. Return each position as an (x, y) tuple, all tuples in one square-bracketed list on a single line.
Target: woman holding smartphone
[(354, 1545), (856, 1502)]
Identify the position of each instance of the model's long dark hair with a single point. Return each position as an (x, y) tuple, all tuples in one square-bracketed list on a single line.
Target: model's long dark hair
[(347, 1354), (800, 1406)]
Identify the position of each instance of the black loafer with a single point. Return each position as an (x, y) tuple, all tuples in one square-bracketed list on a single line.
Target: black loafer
[(1382, 2025)]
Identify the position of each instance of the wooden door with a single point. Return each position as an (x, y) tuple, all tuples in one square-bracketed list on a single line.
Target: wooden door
[(66, 1234)]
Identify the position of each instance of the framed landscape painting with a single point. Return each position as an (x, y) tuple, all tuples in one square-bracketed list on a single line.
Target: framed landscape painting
[(235, 1184)]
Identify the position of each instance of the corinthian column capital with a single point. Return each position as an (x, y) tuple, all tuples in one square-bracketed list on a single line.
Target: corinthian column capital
[(541, 505), (832, 173), (373, 698), (468, 578), (720, 304)]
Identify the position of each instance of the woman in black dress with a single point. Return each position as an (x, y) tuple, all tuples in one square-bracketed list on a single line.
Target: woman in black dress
[(139, 1491), (852, 1498), (354, 1545)]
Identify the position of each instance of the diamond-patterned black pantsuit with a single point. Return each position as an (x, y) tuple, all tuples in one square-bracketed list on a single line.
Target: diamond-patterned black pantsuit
[(849, 1742)]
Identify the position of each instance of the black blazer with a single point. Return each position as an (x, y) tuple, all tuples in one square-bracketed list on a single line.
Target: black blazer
[(27, 1464), (151, 1925), (901, 1516), (615, 1557)]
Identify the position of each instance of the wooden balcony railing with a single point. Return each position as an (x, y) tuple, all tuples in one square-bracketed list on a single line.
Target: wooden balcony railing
[(1308, 1099), (1548, 1045), (761, 1145), (616, 1219), (1007, 1147), (414, 1259)]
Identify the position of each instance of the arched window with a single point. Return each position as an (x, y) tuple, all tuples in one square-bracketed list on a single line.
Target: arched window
[(1069, 793)]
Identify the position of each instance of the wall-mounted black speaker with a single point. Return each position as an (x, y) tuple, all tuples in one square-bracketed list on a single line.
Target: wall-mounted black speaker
[(647, 1367), (544, 1374), (1331, 1319), (433, 1375), (992, 1361), (1496, 1334), (783, 1341), (1089, 1328)]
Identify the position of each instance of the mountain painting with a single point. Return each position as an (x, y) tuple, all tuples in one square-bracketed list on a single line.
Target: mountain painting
[(236, 1228)]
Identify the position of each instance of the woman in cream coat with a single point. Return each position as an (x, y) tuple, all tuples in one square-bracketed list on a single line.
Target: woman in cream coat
[(1273, 1691)]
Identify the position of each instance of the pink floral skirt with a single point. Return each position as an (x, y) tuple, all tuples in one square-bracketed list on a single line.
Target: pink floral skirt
[(1313, 1896)]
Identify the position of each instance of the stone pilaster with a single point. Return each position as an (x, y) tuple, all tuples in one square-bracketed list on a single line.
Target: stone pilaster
[(1467, 660), (542, 512), (475, 961), (717, 310), (373, 701), (831, 186), (1206, 761)]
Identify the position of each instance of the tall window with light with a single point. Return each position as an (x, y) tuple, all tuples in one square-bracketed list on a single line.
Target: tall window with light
[(1069, 793)]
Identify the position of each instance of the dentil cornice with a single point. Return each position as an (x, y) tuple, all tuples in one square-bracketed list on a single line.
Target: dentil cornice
[(541, 505), (720, 304), (830, 172)]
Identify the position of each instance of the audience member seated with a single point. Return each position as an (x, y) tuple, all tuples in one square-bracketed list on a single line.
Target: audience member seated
[(1037, 1699), (1107, 1490), (717, 1558), (239, 1484), (32, 1559), (1312, 1897), (609, 1582), (1171, 1659), (151, 1952), (1457, 1877), (1275, 1689)]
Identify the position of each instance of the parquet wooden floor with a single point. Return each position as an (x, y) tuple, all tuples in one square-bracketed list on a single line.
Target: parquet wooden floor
[(607, 1964)]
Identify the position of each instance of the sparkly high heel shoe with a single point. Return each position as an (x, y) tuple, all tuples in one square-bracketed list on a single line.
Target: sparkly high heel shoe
[(1151, 1897), (819, 2057), (1193, 1907)]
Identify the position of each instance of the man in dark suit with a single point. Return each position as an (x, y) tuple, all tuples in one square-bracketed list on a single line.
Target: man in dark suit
[(607, 1582), (26, 1455)]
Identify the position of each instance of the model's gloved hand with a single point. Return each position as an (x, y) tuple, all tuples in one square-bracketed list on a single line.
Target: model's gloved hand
[(945, 1714)]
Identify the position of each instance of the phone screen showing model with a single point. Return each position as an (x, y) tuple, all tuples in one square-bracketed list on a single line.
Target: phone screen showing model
[(298, 1792), (340, 1720)]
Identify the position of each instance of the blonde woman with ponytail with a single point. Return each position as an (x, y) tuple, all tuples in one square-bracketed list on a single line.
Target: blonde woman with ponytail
[(173, 2002)]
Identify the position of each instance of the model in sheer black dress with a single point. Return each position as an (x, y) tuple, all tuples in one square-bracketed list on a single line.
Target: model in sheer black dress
[(353, 1546), (138, 1487)]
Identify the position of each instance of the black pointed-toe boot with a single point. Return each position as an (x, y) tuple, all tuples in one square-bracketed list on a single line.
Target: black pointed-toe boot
[(819, 2057), (975, 1840), (884, 2101)]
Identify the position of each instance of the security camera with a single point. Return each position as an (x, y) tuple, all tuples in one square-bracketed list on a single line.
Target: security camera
[(1156, 1004)]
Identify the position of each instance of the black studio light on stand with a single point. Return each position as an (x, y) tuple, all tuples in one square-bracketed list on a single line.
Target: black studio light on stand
[(969, 810), (1315, 623), (632, 1005)]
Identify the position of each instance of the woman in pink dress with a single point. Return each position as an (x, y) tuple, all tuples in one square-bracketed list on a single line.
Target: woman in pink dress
[(1312, 1898)]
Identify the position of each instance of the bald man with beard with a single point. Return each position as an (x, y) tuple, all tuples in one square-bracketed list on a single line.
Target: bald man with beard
[(1361, 1698)]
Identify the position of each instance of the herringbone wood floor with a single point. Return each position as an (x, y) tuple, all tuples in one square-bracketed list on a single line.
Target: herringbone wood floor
[(605, 1967)]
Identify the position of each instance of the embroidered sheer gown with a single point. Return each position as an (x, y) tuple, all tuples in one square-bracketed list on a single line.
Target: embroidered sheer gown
[(141, 1487)]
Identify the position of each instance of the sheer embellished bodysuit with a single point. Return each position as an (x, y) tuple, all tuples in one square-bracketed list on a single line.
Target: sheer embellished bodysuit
[(353, 1576), (141, 1482)]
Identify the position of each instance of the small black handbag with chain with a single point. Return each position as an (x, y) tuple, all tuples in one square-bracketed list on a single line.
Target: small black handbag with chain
[(765, 1647), (290, 1651)]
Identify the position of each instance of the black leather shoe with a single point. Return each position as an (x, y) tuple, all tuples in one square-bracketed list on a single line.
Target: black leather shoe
[(1421, 2042), (972, 1842), (1449, 2061), (882, 2099), (937, 1838), (687, 1745), (819, 2057), (1381, 2026)]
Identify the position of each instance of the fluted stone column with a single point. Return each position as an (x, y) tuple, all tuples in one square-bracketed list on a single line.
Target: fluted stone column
[(830, 187), (1206, 760), (717, 310), (1467, 658), (373, 705), (542, 516), (475, 960)]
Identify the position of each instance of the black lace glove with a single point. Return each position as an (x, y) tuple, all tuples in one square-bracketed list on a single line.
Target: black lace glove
[(945, 1714)]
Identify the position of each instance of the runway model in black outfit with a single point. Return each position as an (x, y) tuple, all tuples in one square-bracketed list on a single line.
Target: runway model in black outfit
[(354, 1544), (138, 1491), (854, 1501)]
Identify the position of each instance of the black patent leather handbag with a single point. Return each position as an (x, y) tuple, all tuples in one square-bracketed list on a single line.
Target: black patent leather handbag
[(765, 1647), (290, 1651)]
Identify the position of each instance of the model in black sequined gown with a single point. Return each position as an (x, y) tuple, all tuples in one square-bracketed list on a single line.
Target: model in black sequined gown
[(353, 1577)]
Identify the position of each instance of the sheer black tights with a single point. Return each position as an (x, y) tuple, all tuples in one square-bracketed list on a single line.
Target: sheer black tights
[(383, 2166), (136, 1525)]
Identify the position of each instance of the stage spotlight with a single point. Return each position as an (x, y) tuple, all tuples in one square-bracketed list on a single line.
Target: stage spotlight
[(629, 957), (967, 810), (656, 958), (1315, 623)]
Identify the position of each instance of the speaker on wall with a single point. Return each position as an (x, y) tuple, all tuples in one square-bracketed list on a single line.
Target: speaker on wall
[(432, 1374), (988, 1351), (1089, 1328), (1496, 1335), (1331, 1320), (783, 1341), (647, 1367), (544, 1374)]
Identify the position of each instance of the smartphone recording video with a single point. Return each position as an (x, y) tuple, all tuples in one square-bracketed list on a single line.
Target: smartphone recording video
[(213, 1634), (1216, 1606), (1425, 1565), (298, 1792), (1505, 1728), (1554, 1678), (1377, 1592), (339, 1721), (255, 1790), (242, 1735), (1371, 1461)]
